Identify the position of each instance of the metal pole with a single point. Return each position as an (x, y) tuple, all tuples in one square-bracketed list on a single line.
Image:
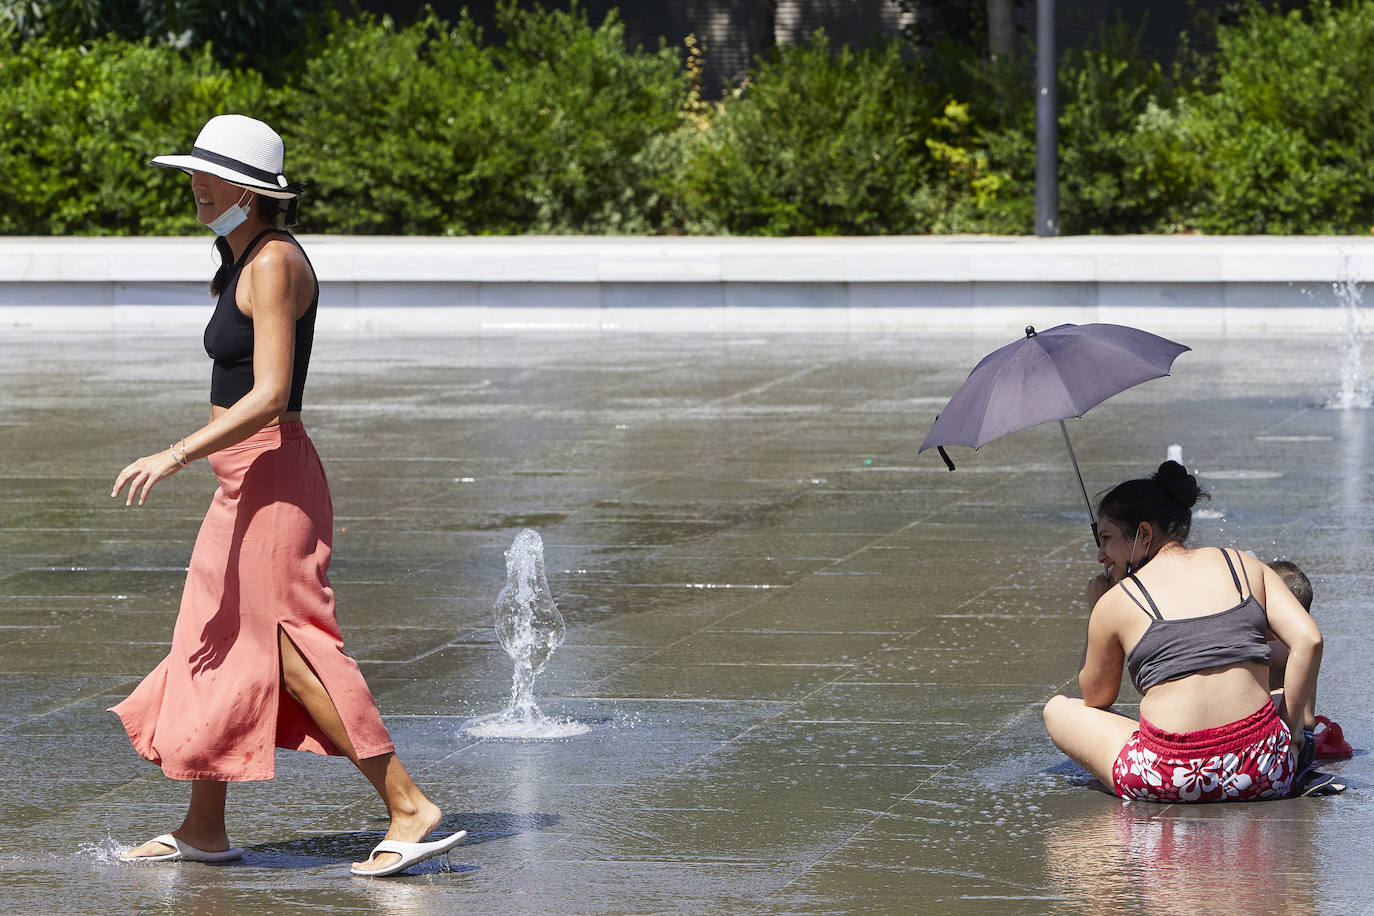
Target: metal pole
[(1097, 538), (1046, 124)]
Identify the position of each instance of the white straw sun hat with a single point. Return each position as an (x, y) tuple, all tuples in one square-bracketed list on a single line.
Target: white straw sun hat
[(241, 150)]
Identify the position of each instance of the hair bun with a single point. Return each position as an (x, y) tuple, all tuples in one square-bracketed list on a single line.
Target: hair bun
[(1180, 486)]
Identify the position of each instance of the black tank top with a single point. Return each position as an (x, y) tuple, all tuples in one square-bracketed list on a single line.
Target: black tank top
[(1175, 647), (229, 338)]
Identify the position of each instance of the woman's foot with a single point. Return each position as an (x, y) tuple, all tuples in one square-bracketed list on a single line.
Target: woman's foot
[(208, 842), (406, 828), (202, 828)]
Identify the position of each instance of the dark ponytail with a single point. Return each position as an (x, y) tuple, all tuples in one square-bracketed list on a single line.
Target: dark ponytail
[(226, 265), (1165, 500)]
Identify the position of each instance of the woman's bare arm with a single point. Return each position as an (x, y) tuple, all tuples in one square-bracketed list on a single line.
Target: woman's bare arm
[(1103, 658), (1296, 629)]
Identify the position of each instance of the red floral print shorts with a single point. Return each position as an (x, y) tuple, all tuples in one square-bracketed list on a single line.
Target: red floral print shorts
[(1246, 760)]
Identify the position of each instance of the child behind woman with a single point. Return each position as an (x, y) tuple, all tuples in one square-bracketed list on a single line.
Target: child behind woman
[(1324, 736)]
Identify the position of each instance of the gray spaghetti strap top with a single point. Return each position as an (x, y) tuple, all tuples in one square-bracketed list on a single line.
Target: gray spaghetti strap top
[(1177, 647)]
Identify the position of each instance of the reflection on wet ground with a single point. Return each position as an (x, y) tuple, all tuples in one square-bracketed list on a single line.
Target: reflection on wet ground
[(813, 661)]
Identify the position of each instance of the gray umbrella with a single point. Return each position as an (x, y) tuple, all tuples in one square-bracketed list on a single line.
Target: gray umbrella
[(1049, 375)]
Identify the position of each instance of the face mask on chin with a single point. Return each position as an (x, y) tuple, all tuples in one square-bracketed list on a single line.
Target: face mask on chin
[(231, 218)]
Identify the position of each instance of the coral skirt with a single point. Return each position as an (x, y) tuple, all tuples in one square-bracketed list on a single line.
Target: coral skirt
[(215, 707)]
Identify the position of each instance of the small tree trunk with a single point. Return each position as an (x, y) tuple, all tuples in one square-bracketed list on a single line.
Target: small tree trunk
[(762, 20), (1001, 27)]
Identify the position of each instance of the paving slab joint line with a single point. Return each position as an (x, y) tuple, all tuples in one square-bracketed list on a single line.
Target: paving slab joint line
[(716, 748), (877, 540), (73, 701), (768, 386), (921, 783), (714, 624), (1280, 424)]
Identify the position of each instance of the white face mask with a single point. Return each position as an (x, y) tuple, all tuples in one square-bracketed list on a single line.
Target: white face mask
[(231, 218)]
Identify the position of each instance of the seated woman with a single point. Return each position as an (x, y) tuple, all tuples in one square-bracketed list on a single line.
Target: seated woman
[(1189, 625)]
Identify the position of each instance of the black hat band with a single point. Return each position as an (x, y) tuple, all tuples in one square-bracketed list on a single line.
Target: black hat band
[(273, 179)]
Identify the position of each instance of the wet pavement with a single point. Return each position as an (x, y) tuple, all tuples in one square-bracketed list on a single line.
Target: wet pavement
[(812, 660)]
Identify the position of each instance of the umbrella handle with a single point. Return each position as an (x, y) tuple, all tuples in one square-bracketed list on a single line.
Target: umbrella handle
[(944, 455), (1097, 538)]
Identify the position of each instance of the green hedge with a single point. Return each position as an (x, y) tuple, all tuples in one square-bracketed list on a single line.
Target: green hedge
[(78, 126), (1285, 137), (427, 130), (819, 144), (557, 127)]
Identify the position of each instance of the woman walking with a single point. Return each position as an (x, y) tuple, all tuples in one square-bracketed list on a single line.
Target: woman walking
[(1189, 626), (257, 660)]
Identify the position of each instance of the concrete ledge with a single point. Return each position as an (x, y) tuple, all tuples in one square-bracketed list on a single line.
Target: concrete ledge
[(1223, 284)]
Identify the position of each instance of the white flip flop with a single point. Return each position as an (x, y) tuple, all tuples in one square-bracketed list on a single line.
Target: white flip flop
[(410, 853), (183, 852)]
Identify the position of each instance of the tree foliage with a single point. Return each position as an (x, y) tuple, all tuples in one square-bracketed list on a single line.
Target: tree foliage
[(266, 35)]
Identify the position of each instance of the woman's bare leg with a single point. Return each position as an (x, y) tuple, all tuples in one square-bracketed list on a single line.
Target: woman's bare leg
[(413, 816), (1092, 737), (203, 827)]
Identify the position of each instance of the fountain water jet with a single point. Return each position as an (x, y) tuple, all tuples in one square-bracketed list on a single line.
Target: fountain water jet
[(530, 628), (1357, 390)]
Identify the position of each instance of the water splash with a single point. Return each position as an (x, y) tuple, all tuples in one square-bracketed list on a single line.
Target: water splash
[(529, 627), (102, 852), (1357, 389)]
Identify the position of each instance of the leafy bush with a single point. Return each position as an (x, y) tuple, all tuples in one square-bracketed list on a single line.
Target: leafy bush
[(78, 126), (428, 130), (816, 144), (1286, 134)]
